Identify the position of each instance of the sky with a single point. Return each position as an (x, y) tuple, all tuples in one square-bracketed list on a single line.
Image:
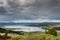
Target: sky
[(29, 10)]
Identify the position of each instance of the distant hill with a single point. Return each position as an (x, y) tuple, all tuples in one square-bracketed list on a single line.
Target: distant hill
[(29, 24)]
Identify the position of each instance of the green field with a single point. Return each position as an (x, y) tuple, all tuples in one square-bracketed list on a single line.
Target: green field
[(32, 36)]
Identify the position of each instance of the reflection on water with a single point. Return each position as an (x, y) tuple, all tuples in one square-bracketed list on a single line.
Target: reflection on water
[(24, 28)]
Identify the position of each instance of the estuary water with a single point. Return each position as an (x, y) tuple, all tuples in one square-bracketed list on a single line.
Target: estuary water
[(25, 28)]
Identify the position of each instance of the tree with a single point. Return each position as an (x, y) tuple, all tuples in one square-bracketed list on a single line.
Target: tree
[(46, 32), (51, 31)]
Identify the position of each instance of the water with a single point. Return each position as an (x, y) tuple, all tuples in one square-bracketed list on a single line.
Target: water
[(25, 28)]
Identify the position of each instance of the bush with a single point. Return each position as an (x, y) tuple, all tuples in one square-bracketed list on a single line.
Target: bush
[(46, 32), (51, 31)]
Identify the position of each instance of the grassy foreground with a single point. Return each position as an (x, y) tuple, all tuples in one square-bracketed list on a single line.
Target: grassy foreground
[(32, 36)]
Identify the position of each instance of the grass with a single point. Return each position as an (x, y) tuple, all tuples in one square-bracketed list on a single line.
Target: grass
[(33, 36), (58, 34), (26, 36)]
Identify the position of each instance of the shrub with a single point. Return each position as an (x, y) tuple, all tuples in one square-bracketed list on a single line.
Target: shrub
[(46, 32), (51, 31)]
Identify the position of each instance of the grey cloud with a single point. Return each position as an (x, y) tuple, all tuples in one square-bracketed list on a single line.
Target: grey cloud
[(32, 9)]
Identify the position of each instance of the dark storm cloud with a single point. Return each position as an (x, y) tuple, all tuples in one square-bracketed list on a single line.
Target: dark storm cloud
[(32, 10)]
